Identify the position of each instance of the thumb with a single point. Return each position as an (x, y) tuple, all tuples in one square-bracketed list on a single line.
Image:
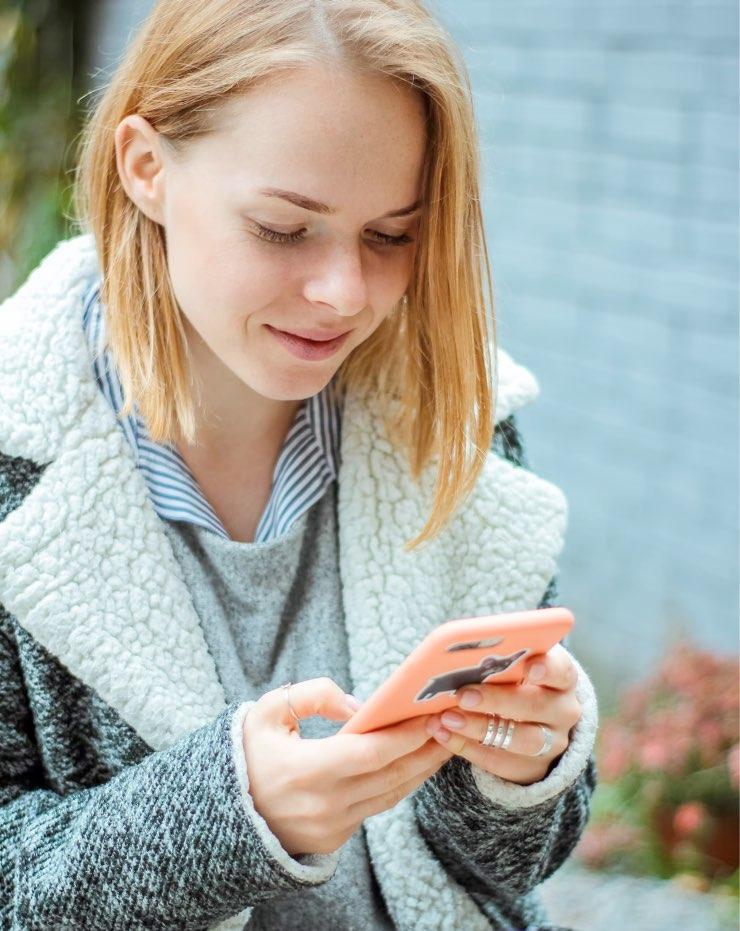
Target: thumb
[(320, 696)]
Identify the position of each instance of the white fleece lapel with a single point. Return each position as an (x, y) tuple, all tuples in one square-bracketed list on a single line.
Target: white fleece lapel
[(497, 554), (84, 563), (87, 569)]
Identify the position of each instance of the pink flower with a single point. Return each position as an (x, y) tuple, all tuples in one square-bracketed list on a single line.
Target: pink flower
[(682, 746), (709, 734), (688, 818), (655, 754)]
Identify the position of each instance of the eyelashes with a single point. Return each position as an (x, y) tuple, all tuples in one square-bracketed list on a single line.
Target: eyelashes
[(264, 232)]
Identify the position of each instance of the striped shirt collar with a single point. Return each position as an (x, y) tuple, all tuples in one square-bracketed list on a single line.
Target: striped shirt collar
[(307, 463)]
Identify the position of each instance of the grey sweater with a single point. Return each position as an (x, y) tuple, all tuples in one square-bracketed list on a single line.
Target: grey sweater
[(97, 831), (272, 613)]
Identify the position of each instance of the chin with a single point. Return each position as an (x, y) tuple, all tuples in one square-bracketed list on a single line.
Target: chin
[(292, 386)]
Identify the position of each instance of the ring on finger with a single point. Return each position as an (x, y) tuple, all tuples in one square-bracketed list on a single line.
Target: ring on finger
[(545, 748), (503, 734), (488, 737)]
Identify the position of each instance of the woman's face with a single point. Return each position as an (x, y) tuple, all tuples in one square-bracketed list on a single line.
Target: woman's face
[(248, 258)]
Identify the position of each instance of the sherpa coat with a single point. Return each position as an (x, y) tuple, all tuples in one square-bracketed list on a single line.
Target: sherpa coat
[(124, 800)]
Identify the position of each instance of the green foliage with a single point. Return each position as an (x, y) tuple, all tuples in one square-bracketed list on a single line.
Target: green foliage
[(39, 118)]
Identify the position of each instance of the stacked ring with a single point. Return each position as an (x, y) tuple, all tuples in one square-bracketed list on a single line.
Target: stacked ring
[(500, 737), (503, 735)]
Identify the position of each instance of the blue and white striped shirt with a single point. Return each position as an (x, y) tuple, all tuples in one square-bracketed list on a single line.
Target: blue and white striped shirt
[(307, 463)]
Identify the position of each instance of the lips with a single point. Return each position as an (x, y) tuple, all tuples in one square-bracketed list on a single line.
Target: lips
[(316, 336), (310, 348)]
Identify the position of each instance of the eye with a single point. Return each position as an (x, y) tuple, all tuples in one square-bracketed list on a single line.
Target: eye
[(264, 232), (401, 240)]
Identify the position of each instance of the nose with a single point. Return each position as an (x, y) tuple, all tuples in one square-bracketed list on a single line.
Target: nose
[(341, 284)]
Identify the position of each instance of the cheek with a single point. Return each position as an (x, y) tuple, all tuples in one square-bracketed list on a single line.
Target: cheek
[(385, 309), (211, 264), (388, 290), (218, 288), (196, 272), (394, 277)]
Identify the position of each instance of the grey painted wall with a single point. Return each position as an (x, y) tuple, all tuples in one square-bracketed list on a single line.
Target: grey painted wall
[(610, 135), (610, 144)]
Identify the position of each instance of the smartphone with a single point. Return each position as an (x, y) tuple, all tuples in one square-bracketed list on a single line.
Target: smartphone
[(465, 651)]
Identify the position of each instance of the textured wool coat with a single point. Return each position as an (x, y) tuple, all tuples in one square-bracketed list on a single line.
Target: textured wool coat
[(123, 789)]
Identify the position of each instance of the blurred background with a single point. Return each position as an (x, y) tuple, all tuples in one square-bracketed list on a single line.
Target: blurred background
[(609, 134)]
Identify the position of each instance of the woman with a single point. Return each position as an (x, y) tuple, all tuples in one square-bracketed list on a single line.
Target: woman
[(224, 408)]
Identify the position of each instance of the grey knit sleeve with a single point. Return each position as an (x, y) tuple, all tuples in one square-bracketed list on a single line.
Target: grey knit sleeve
[(500, 854), (166, 843), (499, 839)]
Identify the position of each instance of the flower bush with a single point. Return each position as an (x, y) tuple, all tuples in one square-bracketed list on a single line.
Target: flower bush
[(669, 769)]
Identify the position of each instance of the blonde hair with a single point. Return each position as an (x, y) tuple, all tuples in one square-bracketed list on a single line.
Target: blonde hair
[(432, 357)]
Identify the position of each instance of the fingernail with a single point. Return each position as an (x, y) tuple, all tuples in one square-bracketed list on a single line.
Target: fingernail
[(453, 719), (442, 735), (536, 672), (470, 698), (432, 725), (352, 702)]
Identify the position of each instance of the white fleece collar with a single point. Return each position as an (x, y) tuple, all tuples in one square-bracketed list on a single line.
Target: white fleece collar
[(86, 568)]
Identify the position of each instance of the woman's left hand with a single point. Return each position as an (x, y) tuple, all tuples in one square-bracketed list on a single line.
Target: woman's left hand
[(549, 700)]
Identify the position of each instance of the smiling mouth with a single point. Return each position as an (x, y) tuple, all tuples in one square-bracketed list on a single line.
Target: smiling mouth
[(310, 349), (313, 336)]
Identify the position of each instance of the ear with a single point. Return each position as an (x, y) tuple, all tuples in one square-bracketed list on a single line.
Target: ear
[(140, 163)]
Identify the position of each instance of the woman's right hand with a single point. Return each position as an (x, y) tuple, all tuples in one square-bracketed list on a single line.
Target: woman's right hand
[(315, 792)]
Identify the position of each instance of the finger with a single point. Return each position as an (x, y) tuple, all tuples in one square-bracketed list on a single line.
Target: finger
[(402, 770), (391, 797), (503, 763), (320, 696), (523, 703), (556, 669), (377, 749), (526, 738)]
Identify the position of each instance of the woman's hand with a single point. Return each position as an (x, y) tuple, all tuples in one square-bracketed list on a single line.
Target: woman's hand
[(551, 701), (315, 793)]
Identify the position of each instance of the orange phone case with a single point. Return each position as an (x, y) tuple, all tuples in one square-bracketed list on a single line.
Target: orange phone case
[(457, 653)]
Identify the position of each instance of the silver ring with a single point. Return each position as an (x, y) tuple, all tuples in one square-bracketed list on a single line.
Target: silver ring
[(504, 734), (509, 735), (548, 741), (500, 736), (486, 741), (287, 686), (496, 742)]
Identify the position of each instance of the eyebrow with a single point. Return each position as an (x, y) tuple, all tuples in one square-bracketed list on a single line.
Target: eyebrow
[(300, 200)]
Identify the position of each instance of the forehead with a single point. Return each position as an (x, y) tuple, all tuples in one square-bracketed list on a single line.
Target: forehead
[(337, 136)]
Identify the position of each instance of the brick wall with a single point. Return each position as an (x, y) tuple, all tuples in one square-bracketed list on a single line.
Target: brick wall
[(610, 140)]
